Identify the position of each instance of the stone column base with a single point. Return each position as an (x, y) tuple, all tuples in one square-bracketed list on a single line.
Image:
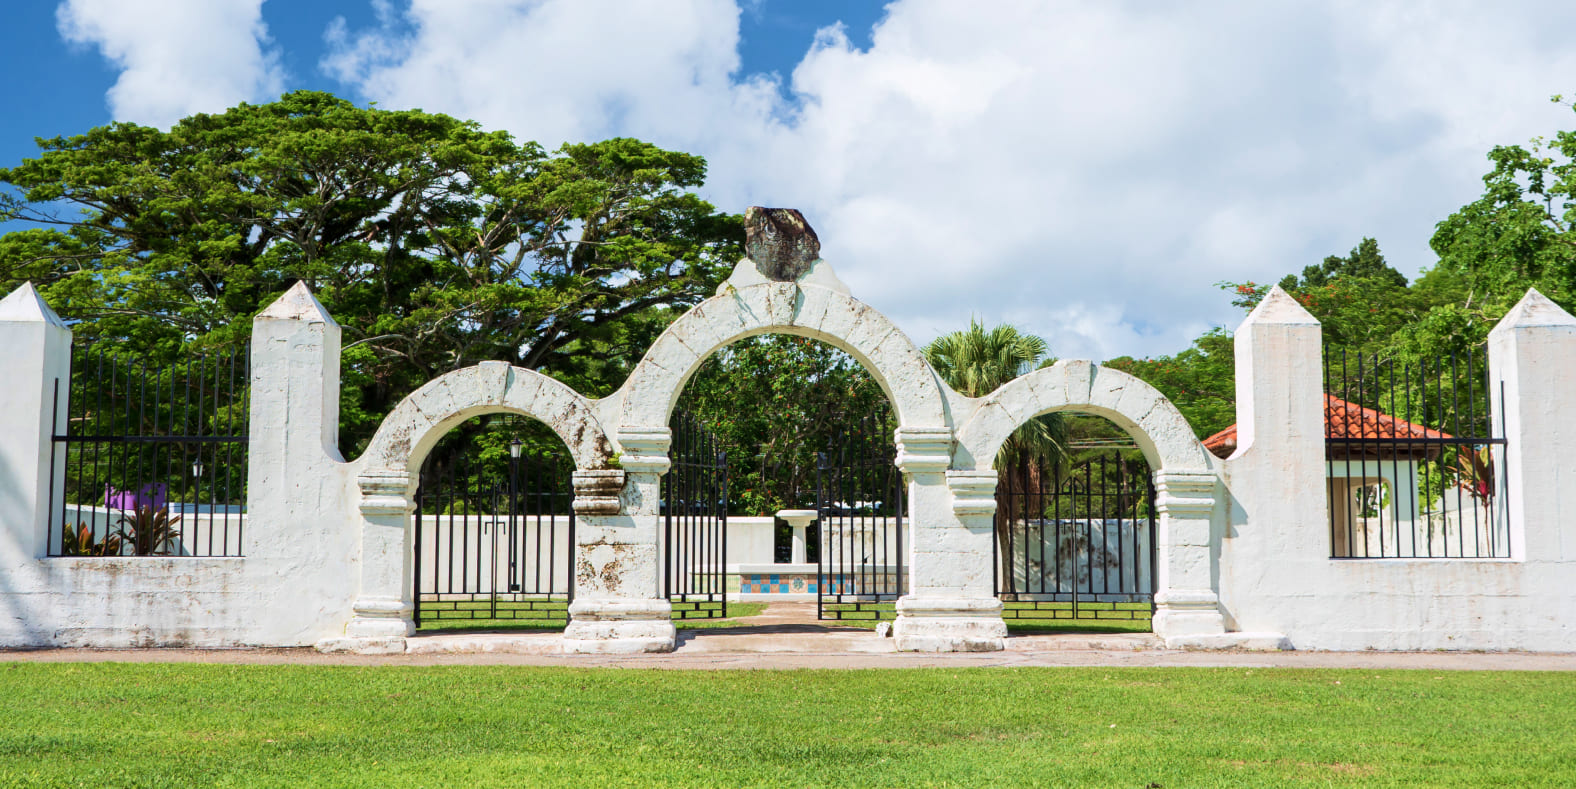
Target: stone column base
[(949, 624), (620, 627), (363, 646), (379, 627), (1187, 613)]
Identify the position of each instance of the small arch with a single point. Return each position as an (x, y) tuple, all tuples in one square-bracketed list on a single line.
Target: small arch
[(415, 425), (1164, 435), (653, 389)]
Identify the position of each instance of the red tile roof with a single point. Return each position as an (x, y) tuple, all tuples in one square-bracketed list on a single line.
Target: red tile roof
[(1341, 420)]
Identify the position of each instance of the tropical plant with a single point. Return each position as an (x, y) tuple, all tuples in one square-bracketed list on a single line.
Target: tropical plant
[(147, 530), (82, 542), (978, 361), (1475, 472)]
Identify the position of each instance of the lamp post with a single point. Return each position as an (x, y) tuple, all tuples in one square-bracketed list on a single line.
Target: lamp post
[(514, 506), (196, 481)]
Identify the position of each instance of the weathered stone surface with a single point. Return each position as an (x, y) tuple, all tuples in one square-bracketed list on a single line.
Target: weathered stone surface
[(1111, 393), (597, 491), (780, 242), (949, 624), (892, 358)]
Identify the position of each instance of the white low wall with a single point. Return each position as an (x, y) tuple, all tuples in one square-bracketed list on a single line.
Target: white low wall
[(1276, 574), (1110, 558)]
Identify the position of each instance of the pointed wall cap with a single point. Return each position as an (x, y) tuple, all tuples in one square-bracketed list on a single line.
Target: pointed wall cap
[(1279, 307), (1534, 310), (298, 304), (25, 305)]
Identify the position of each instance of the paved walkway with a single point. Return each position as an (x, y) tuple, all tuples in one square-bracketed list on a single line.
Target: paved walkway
[(787, 636)]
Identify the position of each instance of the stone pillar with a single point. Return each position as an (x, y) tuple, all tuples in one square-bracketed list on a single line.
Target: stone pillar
[(1532, 367), (35, 353), (1185, 601), (297, 507), (385, 597), (619, 604), (951, 605), (1278, 481)]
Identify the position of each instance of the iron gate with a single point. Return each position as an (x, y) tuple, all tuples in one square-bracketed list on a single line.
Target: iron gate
[(494, 541), (1078, 544), (695, 523), (861, 569)]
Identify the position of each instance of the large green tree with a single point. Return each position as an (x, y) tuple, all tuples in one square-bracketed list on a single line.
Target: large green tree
[(434, 243), (774, 402), (1522, 231)]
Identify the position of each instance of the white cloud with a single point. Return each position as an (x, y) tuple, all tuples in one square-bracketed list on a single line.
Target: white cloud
[(176, 57), (1087, 171)]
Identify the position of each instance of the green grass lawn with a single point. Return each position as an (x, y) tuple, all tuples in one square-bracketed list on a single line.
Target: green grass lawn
[(1029, 619), (539, 616), (220, 725), (1022, 618)]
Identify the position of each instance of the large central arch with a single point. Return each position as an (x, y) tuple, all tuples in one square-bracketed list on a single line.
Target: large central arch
[(850, 325)]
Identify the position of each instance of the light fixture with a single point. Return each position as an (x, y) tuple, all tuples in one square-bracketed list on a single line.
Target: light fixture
[(514, 448), (197, 468)]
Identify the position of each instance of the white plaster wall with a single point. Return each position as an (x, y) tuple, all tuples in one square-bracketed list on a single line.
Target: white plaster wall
[(1110, 557), (296, 580), (1275, 572), (751, 540)]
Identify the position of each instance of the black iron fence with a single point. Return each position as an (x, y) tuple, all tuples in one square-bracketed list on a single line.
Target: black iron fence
[(495, 538), (1416, 463), (153, 458), (694, 506), (1077, 543), (860, 563)]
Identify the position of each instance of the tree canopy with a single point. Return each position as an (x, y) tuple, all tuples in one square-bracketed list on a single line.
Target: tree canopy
[(434, 243), (773, 402)]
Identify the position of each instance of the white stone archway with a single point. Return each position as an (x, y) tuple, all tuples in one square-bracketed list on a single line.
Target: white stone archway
[(631, 616), (1186, 602), (620, 446), (387, 474)]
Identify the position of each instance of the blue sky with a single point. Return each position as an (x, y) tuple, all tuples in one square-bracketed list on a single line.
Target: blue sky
[(64, 93), (1085, 170)]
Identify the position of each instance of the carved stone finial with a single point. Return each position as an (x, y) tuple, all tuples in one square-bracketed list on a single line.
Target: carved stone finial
[(780, 241)]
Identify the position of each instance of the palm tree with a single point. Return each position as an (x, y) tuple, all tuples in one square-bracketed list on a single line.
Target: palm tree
[(978, 361)]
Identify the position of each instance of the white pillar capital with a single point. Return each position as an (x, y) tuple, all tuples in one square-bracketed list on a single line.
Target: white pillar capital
[(597, 491), (644, 449), (973, 492), (924, 450), (1185, 494), (385, 492)]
